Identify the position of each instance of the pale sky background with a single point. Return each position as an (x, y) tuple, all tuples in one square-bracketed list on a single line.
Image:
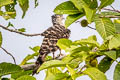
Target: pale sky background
[(36, 21)]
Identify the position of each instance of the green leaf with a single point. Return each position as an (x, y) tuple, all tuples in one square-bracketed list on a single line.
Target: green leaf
[(66, 8), (104, 26), (24, 4), (114, 42), (26, 77), (79, 49), (95, 74), (89, 13), (0, 39), (36, 3), (21, 73), (75, 63), (29, 57), (111, 54), (72, 72), (64, 43), (82, 4), (5, 2), (105, 3), (78, 4), (72, 18), (67, 59), (51, 63), (22, 30), (10, 25), (10, 10), (35, 49), (117, 25), (8, 68), (117, 72), (105, 64), (57, 76), (87, 41)]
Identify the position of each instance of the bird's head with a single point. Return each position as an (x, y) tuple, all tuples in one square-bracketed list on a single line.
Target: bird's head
[(57, 19)]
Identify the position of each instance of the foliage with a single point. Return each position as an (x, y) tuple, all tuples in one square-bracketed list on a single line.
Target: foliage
[(80, 51)]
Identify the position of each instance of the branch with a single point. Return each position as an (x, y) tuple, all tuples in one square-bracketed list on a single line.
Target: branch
[(9, 54), (18, 32), (111, 10), (91, 28), (33, 66), (110, 16)]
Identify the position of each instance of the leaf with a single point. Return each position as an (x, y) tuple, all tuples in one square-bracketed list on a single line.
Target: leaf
[(89, 13), (111, 54), (0, 39), (35, 49), (104, 27), (58, 76), (105, 64), (95, 74), (78, 4), (117, 25), (8, 68), (10, 9), (72, 18), (26, 77), (66, 8), (21, 73), (64, 43), (24, 4), (51, 63), (87, 41), (10, 25), (36, 3), (72, 72), (105, 3), (22, 30), (82, 4), (5, 2), (75, 63), (117, 72), (79, 49), (114, 42), (29, 57)]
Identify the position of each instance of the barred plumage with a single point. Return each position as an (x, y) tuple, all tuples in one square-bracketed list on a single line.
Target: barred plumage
[(51, 36)]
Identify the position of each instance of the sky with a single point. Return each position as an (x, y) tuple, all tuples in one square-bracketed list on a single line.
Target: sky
[(36, 21)]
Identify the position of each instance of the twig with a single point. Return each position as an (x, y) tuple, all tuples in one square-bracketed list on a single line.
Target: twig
[(9, 54), (112, 7), (111, 10), (91, 28), (110, 16), (15, 31)]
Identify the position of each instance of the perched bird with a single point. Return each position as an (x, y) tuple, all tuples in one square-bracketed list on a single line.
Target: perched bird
[(51, 36)]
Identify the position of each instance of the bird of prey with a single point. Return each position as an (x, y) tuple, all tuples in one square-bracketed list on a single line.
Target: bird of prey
[(51, 36)]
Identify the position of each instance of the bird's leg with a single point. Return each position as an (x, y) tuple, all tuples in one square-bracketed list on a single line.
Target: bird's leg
[(60, 51), (53, 55)]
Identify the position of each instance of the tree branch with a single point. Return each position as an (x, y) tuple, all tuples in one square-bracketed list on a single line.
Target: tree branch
[(110, 16), (9, 54), (32, 66), (111, 10), (91, 28), (18, 32)]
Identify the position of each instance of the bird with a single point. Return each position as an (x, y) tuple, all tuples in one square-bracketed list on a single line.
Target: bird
[(51, 36)]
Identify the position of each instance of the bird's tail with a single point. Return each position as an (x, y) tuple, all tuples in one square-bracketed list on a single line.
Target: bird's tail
[(38, 63)]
